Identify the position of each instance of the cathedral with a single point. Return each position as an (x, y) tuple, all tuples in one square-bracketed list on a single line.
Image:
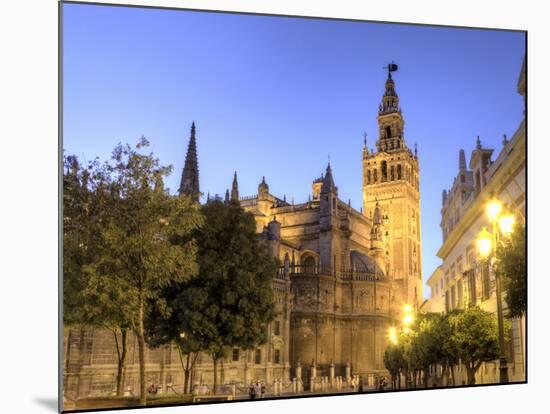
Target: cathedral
[(344, 277)]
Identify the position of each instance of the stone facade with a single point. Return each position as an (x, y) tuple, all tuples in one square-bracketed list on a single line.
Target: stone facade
[(344, 277), (462, 278)]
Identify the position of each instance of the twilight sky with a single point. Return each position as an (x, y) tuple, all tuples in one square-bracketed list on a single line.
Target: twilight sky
[(276, 96)]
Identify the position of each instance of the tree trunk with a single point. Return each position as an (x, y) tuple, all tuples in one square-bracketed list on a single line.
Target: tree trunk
[(426, 377), (121, 360), (185, 368), (471, 374), (399, 380), (215, 385), (141, 348), (186, 375), (453, 375)]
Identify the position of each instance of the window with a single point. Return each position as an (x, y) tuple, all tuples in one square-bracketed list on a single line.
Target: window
[(236, 354), (309, 265), (384, 171), (399, 172), (392, 173), (375, 177), (388, 132), (460, 294), (368, 177), (453, 298), (486, 286), (277, 356), (258, 356), (277, 328), (471, 276)]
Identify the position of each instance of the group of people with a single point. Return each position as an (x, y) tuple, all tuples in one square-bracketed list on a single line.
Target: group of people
[(256, 390)]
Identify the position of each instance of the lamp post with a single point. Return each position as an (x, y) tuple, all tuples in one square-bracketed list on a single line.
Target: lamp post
[(501, 224)]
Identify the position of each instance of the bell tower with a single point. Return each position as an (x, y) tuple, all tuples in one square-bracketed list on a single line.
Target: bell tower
[(391, 187)]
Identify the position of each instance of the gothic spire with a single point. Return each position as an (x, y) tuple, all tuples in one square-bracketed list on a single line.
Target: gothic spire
[(189, 184), (328, 181), (226, 196), (235, 188), (461, 160)]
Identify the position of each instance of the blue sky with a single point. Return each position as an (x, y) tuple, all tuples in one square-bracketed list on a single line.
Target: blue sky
[(276, 96)]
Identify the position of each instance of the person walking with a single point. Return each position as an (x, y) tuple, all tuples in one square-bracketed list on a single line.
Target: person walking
[(252, 391), (262, 388), (257, 389)]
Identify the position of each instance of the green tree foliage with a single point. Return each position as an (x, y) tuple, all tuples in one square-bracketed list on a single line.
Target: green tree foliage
[(139, 222), (169, 319), (395, 363), (427, 336), (474, 338), (89, 300), (512, 267), (231, 301)]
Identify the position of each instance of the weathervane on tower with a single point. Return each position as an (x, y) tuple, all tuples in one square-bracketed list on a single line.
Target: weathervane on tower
[(392, 67)]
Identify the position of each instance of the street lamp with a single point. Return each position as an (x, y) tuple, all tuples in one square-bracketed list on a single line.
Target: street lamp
[(501, 225)]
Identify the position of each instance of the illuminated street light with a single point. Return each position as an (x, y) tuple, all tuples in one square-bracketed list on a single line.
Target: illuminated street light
[(484, 243), (506, 224), (407, 309), (502, 225), (408, 319)]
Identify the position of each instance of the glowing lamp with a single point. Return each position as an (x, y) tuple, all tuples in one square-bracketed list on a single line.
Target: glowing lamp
[(506, 224), (494, 207), (484, 243)]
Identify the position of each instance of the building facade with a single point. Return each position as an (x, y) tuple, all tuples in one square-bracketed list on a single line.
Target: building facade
[(464, 279), (344, 276)]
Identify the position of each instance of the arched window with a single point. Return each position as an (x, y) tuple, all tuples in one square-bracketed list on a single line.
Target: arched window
[(392, 173), (399, 172), (368, 177), (287, 264), (309, 264), (384, 171), (375, 179), (388, 132)]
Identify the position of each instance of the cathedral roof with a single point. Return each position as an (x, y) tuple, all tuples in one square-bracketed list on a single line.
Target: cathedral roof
[(363, 263)]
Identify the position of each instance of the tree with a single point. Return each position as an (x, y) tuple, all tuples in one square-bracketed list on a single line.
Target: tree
[(474, 338), (174, 310), (87, 299), (511, 257), (427, 337), (395, 363), (448, 357), (231, 301), (139, 222)]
